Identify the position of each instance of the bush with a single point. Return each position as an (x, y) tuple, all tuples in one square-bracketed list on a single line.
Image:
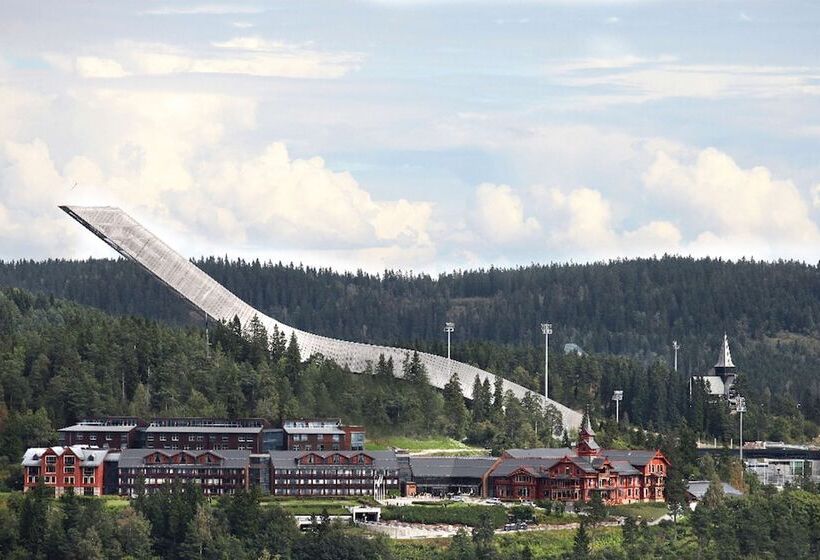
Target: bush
[(454, 514)]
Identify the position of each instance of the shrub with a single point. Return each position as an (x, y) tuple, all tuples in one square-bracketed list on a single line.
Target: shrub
[(454, 514)]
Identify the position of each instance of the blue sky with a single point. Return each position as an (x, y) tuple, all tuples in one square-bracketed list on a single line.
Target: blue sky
[(416, 134)]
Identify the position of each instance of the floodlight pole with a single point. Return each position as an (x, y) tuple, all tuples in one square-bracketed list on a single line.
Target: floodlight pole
[(618, 396), (740, 406), (676, 346), (546, 330), (449, 328)]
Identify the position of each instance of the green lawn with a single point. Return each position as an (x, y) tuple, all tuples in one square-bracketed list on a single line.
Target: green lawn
[(551, 544), (648, 511), (420, 444), (114, 502)]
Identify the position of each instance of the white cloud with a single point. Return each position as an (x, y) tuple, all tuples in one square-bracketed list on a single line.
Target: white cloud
[(203, 9), (747, 208), (499, 215), (635, 79), (251, 56), (815, 195), (94, 67)]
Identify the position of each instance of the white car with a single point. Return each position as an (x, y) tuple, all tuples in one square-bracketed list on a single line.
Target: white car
[(492, 501)]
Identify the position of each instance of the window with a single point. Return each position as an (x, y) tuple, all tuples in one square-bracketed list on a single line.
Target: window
[(68, 480), (69, 460), (51, 460), (175, 437), (163, 437)]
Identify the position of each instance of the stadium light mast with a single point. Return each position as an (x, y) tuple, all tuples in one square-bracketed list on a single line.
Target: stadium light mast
[(740, 407), (676, 347), (546, 330), (449, 328), (618, 396)]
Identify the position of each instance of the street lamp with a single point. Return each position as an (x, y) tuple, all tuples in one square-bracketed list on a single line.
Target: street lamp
[(676, 346), (449, 328), (740, 407), (546, 330), (618, 396)]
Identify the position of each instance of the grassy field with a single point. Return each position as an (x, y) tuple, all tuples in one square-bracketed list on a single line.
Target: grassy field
[(422, 444), (113, 502), (647, 511), (551, 544)]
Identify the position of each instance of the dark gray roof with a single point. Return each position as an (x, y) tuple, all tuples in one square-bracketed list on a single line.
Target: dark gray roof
[(584, 463), (233, 458), (636, 457), (698, 488), (287, 459), (540, 452), (624, 468), (450, 467), (533, 465)]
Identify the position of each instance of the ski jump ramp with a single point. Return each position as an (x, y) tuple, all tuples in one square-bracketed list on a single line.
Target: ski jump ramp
[(130, 239)]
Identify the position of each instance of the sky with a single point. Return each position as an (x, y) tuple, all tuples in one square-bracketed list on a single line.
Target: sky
[(415, 134)]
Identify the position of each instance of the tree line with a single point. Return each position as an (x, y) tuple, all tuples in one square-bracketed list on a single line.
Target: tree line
[(632, 308)]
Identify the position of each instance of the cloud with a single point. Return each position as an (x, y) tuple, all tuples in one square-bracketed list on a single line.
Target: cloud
[(165, 158), (499, 215), (251, 56), (203, 9), (815, 195), (94, 67), (746, 208), (636, 79)]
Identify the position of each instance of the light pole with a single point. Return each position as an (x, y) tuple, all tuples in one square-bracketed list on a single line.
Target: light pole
[(618, 396), (676, 346), (449, 328), (546, 330), (740, 407)]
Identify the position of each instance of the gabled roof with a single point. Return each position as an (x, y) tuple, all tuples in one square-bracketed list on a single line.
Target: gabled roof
[(88, 456), (534, 466), (624, 468), (288, 459), (635, 457), (540, 452), (697, 489), (231, 458)]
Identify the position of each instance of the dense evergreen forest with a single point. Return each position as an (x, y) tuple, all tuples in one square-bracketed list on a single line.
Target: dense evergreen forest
[(632, 309)]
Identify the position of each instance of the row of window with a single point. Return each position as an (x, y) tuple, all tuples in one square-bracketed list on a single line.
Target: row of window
[(323, 492), (307, 437), (333, 472), (329, 481)]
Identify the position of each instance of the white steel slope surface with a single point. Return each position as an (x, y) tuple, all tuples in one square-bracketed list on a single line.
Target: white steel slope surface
[(133, 241)]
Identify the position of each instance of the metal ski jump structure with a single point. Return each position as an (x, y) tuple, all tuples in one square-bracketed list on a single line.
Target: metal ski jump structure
[(130, 239)]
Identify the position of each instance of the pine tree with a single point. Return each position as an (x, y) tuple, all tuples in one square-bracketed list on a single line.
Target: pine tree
[(581, 544)]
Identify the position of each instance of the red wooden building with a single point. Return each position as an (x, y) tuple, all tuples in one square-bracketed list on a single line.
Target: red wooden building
[(620, 476), (77, 469)]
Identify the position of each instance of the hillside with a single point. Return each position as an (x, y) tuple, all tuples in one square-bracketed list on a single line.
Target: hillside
[(633, 308)]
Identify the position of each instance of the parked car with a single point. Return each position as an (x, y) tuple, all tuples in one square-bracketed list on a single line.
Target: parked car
[(457, 498), (492, 501), (510, 527)]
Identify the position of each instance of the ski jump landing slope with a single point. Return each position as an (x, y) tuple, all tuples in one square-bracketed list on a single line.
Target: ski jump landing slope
[(133, 241)]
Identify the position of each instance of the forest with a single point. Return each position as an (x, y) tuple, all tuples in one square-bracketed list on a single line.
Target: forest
[(623, 314)]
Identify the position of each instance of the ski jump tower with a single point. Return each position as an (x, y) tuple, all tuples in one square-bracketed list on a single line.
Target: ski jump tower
[(130, 239)]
